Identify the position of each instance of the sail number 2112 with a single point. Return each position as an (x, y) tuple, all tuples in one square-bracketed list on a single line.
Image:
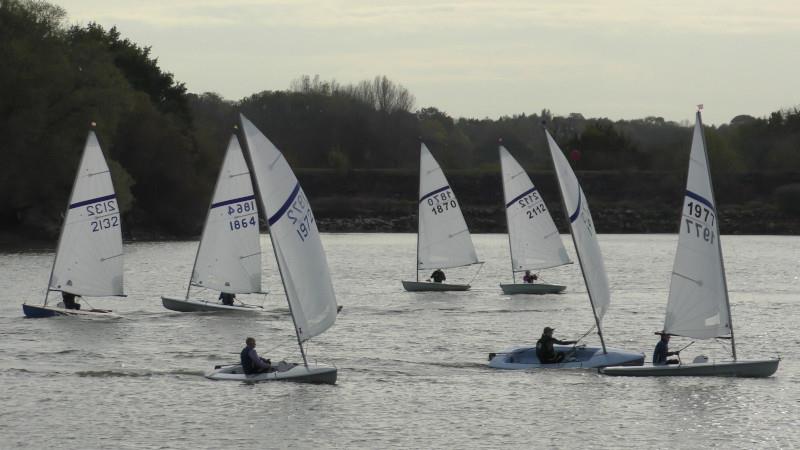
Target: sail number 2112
[(699, 221)]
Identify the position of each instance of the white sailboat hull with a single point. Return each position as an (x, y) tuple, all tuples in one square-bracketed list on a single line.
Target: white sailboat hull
[(314, 373), (746, 369), (40, 311), (531, 288), (580, 357), (422, 286), (193, 305)]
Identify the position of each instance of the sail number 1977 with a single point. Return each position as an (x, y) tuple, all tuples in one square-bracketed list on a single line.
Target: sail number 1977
[(699, 221)]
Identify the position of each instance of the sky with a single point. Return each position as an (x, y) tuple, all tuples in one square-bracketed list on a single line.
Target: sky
[(620, 59)]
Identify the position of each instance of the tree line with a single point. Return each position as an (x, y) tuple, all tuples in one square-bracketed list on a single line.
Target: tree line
[(164, 144)]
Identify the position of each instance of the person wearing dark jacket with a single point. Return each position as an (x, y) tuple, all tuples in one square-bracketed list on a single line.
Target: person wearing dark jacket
[(251, 362), (544, 347), (662, 352), (69, 301), (438, 276)]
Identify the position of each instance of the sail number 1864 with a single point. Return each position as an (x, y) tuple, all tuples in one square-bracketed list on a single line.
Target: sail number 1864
[(244, 215)]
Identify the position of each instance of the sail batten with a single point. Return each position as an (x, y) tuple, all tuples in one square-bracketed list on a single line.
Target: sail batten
[(224, 260), (88, 260), (698, 296), (443, 237), (295, 238), (534, 241)]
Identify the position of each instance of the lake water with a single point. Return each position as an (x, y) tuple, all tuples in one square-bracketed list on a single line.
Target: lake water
[(412, 366)]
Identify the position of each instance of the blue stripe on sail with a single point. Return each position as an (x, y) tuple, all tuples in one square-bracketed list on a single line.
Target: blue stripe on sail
[(574, 215), (520, 196), (433, 193), (275, 217), (232, 201), (94, 200), (700, 199)]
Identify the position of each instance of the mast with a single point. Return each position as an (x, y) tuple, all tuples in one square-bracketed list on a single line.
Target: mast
[(208, 214), (69, 201), (419, 216), (263, 207), (719, 242), (575, 244), (508, 228)]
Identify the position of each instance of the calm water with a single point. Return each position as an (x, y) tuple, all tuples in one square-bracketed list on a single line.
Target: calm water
[(412, 367)]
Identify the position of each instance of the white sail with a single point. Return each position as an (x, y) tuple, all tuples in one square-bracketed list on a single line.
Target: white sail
[(229, 256), (295, 238), (444, 240), (533, 237), (583, 233), (89, 256), (698, 296)]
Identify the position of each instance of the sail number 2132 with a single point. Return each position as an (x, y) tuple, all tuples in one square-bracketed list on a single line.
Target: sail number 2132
[(699, 220)]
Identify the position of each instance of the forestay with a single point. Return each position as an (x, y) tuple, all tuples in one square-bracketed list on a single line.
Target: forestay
[(583, 233), (295, 238), (533, 237), (229, 256), (444, 240), (698, 295), (89, 256)]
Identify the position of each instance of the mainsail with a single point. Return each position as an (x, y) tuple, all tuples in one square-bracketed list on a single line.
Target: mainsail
[(698, 295), (533, 237), (88, 260), (295, 238), (443, 238), (229, 255), (583, 233)]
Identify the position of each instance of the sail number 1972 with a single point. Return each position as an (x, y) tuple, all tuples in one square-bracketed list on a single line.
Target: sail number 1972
[(301, 216)]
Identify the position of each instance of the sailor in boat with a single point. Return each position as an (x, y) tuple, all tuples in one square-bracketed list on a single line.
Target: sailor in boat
[(226, 298), (69, 301), (529, 278), (544, 347), (251, 362), (662, 352), (438, 276)]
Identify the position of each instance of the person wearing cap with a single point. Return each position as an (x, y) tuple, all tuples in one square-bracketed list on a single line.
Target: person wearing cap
[(544, 347), (662, 352)]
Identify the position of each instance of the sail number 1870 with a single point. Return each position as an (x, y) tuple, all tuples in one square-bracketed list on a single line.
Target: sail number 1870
[(440, 203)]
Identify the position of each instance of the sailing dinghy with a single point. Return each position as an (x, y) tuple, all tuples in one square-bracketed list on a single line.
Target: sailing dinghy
[(228, 257), (698, 306), (88, 261), (533, 240), (443, 239), (300, 257), (594, 275)]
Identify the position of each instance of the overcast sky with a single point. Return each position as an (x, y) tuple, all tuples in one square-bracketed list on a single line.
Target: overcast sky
[(621, 59)]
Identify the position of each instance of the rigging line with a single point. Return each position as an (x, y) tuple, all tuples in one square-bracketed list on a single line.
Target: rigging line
[(585, 334), (476, 273)]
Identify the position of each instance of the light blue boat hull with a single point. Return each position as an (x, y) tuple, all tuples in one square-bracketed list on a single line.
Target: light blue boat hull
[(580, 357)]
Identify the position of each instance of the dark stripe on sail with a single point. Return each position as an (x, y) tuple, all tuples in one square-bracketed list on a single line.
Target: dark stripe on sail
[(275, 217), (520, 196), (577, 212), (94, 200), (232, 201), (433, 193), (700, 199)]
